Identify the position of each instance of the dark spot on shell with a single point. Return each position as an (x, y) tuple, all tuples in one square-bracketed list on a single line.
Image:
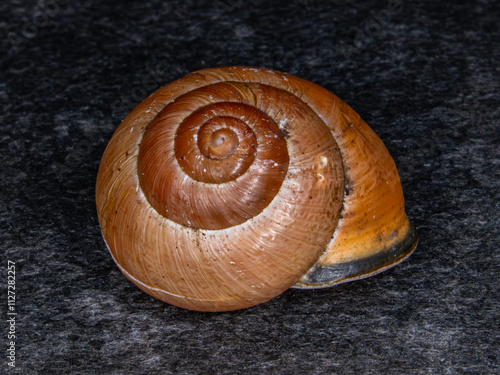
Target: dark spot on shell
[(285, 133)]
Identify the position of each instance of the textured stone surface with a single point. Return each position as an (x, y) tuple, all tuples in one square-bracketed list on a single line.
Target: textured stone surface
[(425, 76)]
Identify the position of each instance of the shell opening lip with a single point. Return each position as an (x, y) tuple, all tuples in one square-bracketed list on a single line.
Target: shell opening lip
[(324, 277)]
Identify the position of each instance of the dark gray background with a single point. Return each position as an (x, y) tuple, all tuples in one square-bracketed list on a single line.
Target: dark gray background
[(424, 75)]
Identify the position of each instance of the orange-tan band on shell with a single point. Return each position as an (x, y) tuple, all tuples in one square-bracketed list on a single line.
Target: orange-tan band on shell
[(373, 223)]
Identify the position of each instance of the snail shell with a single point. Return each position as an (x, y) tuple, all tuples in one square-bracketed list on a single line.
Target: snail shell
[(228, 186)]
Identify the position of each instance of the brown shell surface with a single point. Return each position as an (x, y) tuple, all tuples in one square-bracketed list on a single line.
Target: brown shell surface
[(228, 186)]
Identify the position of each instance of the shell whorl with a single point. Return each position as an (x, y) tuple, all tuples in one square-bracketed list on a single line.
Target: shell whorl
[(224, 188), (232, 156)]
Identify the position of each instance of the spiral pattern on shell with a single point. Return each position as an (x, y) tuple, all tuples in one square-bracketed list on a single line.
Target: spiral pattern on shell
[(224, 188)]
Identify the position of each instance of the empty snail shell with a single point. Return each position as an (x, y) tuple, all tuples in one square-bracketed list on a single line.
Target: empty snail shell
[(228, 186)]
